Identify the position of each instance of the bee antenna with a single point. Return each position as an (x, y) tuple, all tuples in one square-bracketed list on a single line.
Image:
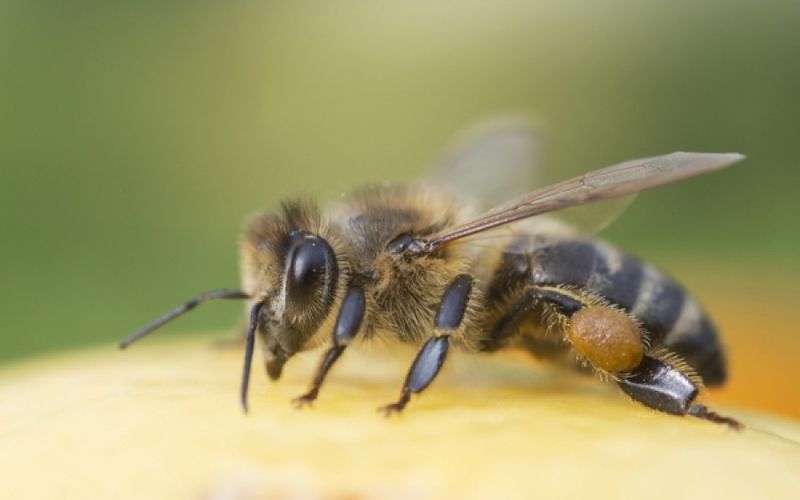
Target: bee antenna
[(248, 352), (183, 308)]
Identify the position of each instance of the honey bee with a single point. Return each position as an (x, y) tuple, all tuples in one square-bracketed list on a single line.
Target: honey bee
[(416, 263)]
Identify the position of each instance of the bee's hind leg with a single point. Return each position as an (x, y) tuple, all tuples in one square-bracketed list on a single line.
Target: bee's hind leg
[(659, 380), (511, 325), (700, 411), (658, 385), (431, 356)]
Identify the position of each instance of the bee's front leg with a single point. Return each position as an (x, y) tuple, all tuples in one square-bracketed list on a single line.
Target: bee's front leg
[(431, 356), (348, 322)]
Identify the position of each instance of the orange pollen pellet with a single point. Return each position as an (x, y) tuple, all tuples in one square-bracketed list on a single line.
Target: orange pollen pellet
[(608, 338)]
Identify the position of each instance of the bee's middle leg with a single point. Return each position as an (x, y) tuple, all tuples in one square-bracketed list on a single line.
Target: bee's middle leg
[(348, 322), (433, 353)]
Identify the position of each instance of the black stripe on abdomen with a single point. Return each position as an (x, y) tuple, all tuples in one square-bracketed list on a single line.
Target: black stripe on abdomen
[(695, 339), (671, 317), (617, 277), (597, 267), (569, 262), (659, 304)]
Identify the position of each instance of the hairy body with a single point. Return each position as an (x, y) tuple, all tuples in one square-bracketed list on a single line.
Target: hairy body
[(651, 314), (414, 263)]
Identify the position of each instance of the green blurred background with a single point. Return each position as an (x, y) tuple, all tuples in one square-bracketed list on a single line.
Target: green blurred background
[(136, 137)]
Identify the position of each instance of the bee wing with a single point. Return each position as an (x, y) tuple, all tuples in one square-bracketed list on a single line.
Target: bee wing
[(610, 182), (500, 159), (593, 218), (494, 161)]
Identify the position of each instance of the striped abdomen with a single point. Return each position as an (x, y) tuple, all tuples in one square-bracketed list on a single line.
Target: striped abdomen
[(672, 317)]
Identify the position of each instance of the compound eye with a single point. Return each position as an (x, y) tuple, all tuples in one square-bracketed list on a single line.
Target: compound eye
[(311, 267)]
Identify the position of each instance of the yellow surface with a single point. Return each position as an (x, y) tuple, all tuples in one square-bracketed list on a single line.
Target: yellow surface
[(162, 421)]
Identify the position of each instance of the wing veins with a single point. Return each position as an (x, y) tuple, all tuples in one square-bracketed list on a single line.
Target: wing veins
[(610, 182)]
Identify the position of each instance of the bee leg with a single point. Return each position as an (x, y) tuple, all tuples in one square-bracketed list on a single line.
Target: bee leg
[(511, 323), (431, 356), (330, 357), (426, 366), (663, 387), (656, 384), (348, 323), (700, 411), (508, 325), (653, 382)]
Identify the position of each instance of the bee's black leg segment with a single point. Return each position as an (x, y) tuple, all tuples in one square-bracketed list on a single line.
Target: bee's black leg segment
[(660, 386), (454, 303), (348, 323), (701, 411), (562, 301), (426, 366), (656, 384), (431, 357)]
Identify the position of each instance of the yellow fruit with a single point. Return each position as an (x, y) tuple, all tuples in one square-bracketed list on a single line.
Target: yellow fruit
[(162, 420)]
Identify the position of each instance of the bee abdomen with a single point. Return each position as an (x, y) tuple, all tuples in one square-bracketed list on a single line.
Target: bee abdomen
[(676, 320), (603, 270), (670, 315), (694, 337)]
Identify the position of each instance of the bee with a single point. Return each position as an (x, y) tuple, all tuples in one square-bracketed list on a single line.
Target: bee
[(422, 264)]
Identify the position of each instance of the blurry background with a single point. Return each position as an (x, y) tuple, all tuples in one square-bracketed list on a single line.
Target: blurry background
[(136, 138)]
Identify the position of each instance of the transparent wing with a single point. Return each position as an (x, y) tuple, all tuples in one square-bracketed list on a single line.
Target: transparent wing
[(594, 217), (500, 159), (611, 182), (536, 231), (492, 162)]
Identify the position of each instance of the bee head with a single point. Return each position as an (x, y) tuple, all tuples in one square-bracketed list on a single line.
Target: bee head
[(290, 266)]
